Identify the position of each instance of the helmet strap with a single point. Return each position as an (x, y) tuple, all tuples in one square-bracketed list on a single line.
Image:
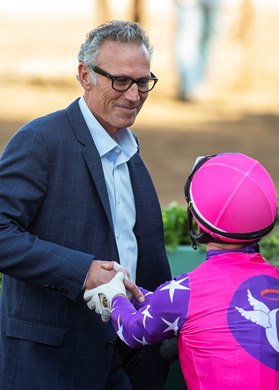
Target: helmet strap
[(199, 238)]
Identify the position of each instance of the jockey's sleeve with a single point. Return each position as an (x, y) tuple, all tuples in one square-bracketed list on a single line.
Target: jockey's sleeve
[(160, 316)]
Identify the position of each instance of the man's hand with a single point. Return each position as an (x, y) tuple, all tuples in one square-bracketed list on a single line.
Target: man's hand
[(100, 298), (99, 274)]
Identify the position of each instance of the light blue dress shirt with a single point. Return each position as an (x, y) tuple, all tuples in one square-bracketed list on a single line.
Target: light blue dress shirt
[(114, 154)]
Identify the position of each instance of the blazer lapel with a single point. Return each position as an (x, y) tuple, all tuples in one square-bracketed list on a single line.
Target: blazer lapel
[(135, 165), (94, 164), (144, 191), (90, 154)]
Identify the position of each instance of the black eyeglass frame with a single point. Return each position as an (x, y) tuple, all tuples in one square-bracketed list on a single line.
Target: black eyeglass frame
[(102, 72)]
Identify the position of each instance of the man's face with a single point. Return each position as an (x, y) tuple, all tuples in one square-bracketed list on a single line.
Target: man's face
[(113, 109)]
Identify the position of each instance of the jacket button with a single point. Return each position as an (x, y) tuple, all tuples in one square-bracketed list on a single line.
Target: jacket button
[(110, 343)]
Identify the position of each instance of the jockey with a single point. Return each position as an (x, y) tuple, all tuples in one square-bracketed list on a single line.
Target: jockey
[(225, 313)]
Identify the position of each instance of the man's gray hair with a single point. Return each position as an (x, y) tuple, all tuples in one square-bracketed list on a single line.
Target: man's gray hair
[(116, 30)]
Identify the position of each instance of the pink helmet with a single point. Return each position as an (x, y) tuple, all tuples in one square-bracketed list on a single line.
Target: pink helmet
[(231, 197)]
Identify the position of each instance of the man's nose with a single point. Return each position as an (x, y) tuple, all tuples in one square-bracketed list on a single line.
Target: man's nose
[(133, 93)]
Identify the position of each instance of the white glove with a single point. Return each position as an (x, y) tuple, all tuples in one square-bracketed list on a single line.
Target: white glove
[(100, 298), (117, 267)]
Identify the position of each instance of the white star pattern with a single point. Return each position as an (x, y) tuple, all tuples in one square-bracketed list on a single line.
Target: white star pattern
[(120, 330), (142, 342), (113, 307), (175, 285), (162, 314), (171, 325), (148, 293), (146, 314)]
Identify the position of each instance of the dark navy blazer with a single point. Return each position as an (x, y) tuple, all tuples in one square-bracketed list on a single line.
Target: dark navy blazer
[(54, 219)]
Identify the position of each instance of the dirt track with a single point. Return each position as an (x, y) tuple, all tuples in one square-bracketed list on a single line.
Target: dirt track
[(171, 133), (170, 154)]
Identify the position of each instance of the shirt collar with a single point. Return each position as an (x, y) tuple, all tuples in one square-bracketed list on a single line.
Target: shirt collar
[(103, 141), (252, 248)]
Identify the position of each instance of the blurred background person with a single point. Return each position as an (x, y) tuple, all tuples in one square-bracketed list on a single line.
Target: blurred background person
[(194, 31)]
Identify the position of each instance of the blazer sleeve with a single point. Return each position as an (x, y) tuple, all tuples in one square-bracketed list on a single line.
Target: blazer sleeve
[(24, 182)]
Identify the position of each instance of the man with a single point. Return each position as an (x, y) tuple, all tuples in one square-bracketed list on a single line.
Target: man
[(225, 312), (75, 194)]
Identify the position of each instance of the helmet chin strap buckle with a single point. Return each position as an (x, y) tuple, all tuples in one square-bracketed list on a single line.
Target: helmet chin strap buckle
[(194, 243)]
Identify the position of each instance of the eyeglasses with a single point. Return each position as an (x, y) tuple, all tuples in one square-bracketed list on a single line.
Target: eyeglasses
[(122, 83)]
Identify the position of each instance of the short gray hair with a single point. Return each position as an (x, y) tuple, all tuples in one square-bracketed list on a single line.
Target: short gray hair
[(115, 30)]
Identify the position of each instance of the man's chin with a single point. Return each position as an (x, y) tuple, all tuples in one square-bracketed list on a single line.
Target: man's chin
[(127, 123)]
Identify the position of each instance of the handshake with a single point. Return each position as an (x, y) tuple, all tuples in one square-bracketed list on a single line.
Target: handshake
[(100, 298)]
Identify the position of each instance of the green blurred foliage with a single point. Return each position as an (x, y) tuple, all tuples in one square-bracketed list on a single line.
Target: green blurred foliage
[(175, 225), (270, 245)]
